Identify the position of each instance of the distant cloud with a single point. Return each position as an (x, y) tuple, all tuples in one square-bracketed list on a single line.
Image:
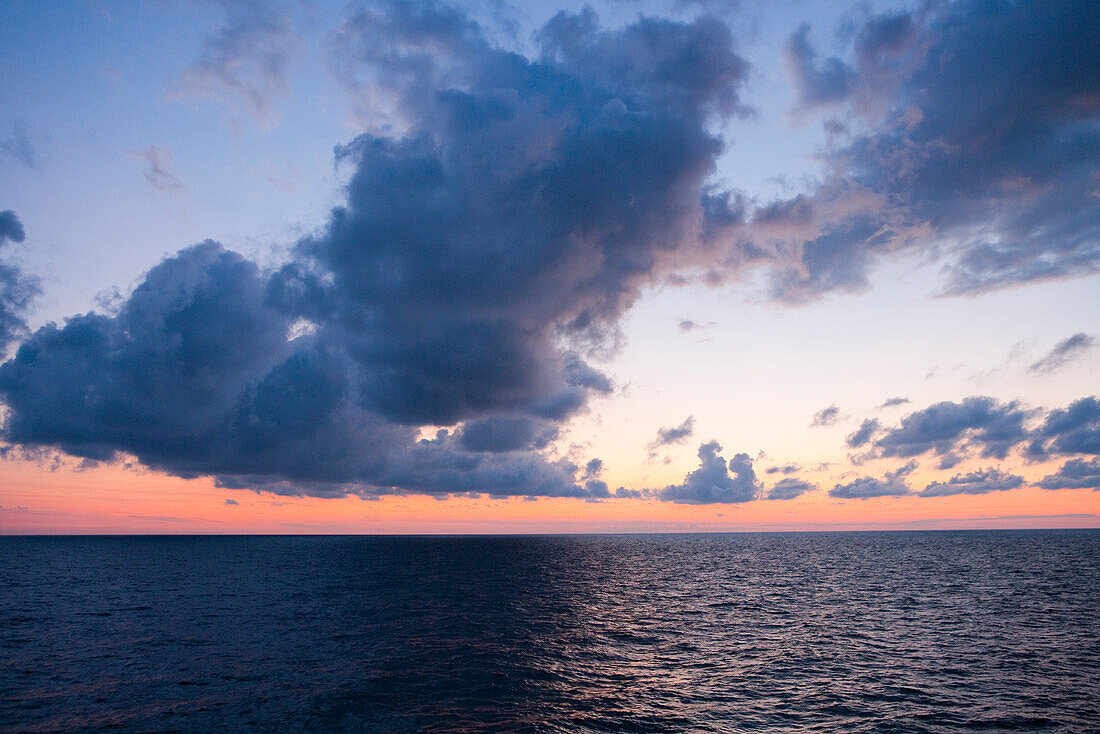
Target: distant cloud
[(687, 325), (982, 481), (231, 503), (1074, 474), (892, 485), (893, 402), (247, 59), (676, 434), (17, 144), (863, 434), (712, 483), (1063, 352), (826, 417), (1072, 430), (789, 488), (784, 469), (158, 169)]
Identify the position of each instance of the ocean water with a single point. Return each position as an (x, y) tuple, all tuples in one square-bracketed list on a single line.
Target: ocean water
[(885, 632)]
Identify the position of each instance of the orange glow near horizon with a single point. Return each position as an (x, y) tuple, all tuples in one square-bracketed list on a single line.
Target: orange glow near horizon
[(110, 499)]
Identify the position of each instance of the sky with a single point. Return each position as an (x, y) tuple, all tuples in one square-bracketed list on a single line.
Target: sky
[(420, 267)]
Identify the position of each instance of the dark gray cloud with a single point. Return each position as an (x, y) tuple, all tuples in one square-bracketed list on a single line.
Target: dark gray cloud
[(17, 289), (715, 483), (789, 488), (522, 206), (675, 434), (17, 144), (1072, 430), (1074, 474), (863, 435), (972, 124), (826, 417), (991, 426), (982, 481), (893, 484), (231, 503), (246, 59), (1063, 352)]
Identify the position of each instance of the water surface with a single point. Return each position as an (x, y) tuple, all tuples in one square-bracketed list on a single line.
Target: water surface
[(891, 632)]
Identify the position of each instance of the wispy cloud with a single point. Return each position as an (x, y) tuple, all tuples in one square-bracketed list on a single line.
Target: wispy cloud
[(1064, 352)]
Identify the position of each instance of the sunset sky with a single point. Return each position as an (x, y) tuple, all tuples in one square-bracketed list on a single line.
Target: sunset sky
[(531, 267)]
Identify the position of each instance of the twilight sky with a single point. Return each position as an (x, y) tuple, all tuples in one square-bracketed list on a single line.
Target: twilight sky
[(495, 267)]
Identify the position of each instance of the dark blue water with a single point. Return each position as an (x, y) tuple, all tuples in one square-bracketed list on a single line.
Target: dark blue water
[(892, 632)]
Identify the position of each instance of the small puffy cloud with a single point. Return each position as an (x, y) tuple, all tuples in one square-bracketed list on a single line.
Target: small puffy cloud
[(826, 417), (789, 488), (863, 435), (1063, 352), (675, 434), (982, 481), (1074, 474), (893, 484), (714, 482)]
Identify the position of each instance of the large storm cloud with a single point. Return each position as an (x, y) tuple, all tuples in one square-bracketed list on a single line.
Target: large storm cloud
[(482, 250)]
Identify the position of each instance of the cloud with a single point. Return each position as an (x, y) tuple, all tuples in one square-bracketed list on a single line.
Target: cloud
[(816, 85), (789, 488), (970, 137), (893, 402), (1072, 430), (984, 422), (158, 164), (1063, 352), (892, 485), (687, 325), (784, 469), (17, 144), (982, 481), (481, 253), (17, 290), (863, 435), (677, 434), (246, 59), (712, 483), (1074, 474), (826, 417), (231, 503)]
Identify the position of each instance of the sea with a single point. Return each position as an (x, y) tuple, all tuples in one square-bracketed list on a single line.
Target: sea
[(988, 631)]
